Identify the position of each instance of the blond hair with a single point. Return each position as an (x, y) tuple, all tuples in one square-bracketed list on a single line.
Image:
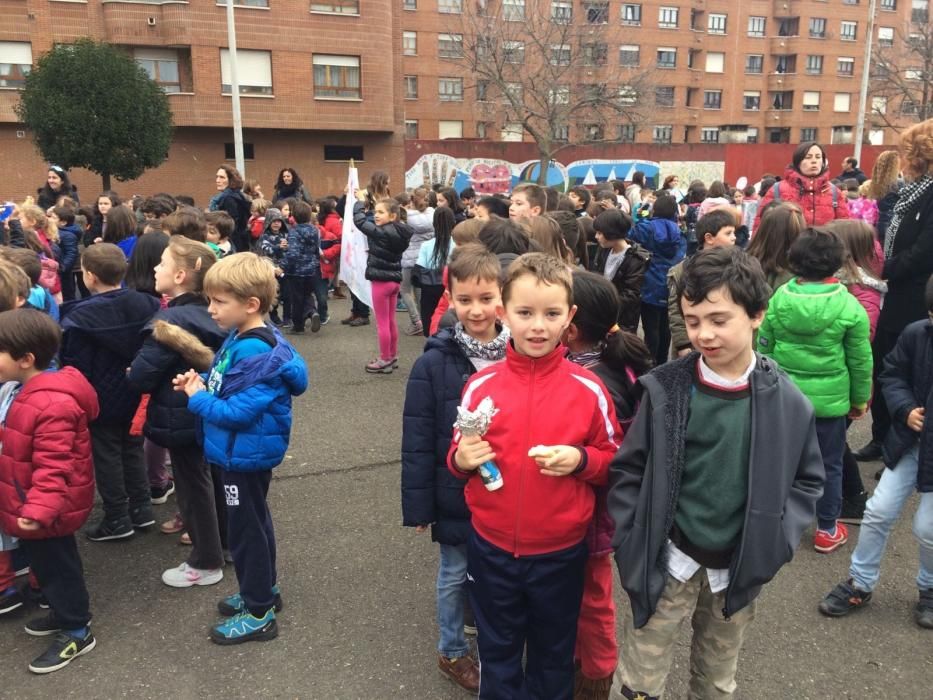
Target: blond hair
[(917, 149), (884, 173), (244, 275), (259, 206), (14, 285), (34, 212), (864, 188), (548, 234), (194, 257)]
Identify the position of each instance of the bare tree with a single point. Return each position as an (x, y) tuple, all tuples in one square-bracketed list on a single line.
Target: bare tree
[(544, 68), (901, 75)]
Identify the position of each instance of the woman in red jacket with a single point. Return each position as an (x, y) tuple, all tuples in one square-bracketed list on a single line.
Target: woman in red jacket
[(331, 227), (806, 183)]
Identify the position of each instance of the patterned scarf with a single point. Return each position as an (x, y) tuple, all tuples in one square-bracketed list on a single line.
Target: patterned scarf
[(587, 358), (910, 195), (472, 347)]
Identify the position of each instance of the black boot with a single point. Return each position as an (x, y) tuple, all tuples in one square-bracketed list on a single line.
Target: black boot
[(870, 453), (853, 508)]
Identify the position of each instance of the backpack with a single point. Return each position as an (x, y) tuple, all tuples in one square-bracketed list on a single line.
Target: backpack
[(776, 194)]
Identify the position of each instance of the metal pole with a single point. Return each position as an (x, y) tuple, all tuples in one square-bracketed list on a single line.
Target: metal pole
[(863, 92), (235, 92)]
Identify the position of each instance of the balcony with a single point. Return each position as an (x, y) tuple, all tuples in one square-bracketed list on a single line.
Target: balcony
[(166, 23), (788, 45)]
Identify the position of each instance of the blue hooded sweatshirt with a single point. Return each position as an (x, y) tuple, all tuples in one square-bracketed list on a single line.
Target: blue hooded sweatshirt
[(667, 245)]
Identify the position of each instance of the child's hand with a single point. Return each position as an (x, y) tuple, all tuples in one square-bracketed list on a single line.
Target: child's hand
[(915, 419), (27, 524), (472, 452), (98, 240), (360, 195), (283, 244), (856, 412), (560, 460), (194, 383)]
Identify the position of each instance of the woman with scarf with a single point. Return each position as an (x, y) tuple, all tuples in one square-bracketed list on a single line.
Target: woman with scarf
[(806, 183), (230, 198), (289, 184)]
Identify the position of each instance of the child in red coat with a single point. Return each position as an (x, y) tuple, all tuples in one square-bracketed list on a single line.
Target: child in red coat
[(47, 476)]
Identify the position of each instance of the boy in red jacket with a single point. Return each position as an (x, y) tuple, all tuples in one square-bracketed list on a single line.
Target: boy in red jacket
[(527, 553), (47, 475)]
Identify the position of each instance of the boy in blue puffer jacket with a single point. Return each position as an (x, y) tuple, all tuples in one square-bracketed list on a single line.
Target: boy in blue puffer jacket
[(245, 412), (302, 266)]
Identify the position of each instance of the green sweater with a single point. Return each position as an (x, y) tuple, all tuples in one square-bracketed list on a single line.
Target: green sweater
[(818, 333), (714, 485)]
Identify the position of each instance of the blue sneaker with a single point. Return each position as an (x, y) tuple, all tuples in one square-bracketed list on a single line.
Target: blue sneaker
[(233, 604), (243, 627)]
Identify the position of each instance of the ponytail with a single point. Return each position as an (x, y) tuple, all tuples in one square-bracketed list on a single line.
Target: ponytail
[(624, 351)]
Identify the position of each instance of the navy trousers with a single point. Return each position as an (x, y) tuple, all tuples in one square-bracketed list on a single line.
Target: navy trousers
[(527, 601)]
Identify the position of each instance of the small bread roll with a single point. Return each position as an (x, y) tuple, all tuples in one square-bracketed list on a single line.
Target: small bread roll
[(541, 452)]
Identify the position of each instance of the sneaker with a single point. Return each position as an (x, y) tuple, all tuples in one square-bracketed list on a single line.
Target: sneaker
[(359, 321), (415, 329), (378, 366), (275, 318), (923, 612), (853, 509), (843, 599), (43, 626), (462, 671), (400, 305), (142, 517), (244, 627), (234, 605), (295, 331), (105, 530), (185, 539), (63, 650), (10, 600), (36, 597), (325, 321), (870, 453), (160, 494), (349, 319), (21, 572), (827, 542), (315, 322), (184, 576), (173, 526)]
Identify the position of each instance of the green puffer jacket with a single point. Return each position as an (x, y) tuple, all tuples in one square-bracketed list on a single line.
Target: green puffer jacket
[(818, 334)]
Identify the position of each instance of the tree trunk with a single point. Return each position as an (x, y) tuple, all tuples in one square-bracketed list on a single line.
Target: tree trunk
[(544, 162), (105, 177)]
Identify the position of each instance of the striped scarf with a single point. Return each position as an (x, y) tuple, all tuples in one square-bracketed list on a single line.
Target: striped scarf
[(910, 194)]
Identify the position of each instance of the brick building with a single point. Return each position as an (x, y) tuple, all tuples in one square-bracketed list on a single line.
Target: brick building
[(761, 71), (317, 82)]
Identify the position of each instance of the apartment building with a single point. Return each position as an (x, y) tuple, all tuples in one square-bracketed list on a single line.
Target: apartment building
[(759, 71), (318, 85)]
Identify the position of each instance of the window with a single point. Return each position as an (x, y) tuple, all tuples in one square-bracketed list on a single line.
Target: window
[(628, 95), (482, 90), (845, 66), (908, 106), (594, 132), (331, 7), (449, 129), (692, 55), (512, 131), (889, 5), (715, 62), (249, 151), (629, 55), (236, 3), (712, 99), (789, 26), (161, 65), (841, 134), (667, 19), (664, 96), (562, 11), (411, 87), (627, 133), (885, 36), (411, 128), (337, 77), (779, 135), (595, 54), (409, 43), (450, 89), (756, 26), (782, 100), (514, 93), (513, 51), (560, 54), (913, 74), (811, 101), (841, 102), (450, 45), (817, 28), (410, 4), (751, 136), (254, 70), (15, 63), (716, 24), (754, 63), (919, 11), (559, 95), (513, 10), (662, 133), (814, 65), (667, 57), (560, 132), (709, 134), (482, 128), (876, 137), (597, 11), (751, 100), (879, 105), (451, 7), (850, 2), (808, 133), (785, 63), (631, 15), (848, 31), (343, 153)]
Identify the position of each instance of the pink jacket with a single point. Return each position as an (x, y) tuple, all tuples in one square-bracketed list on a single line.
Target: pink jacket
[(870, 294)]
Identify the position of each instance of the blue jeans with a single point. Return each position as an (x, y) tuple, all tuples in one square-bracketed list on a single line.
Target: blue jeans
[(451, 589), (881, 512), (831, 434)]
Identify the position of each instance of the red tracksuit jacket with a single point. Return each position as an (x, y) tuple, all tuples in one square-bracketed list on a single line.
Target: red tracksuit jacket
[(544, 401)]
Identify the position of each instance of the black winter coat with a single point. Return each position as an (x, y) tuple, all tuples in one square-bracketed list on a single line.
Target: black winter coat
[(100, 338), (627, 280), (430, 493), (386, 246), (907, 383), (909, 268), (885, 212), (237, 205), (169, 423)]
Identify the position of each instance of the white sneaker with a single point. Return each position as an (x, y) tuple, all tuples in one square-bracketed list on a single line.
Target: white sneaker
[(184, 576)]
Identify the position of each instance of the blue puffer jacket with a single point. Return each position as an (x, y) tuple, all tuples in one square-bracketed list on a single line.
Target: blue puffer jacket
[(68, 237), (100, 337), (663, 239), (303, 255), (247, 425), (430, 493)]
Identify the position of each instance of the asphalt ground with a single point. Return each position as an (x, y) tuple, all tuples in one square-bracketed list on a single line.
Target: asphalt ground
[(359, 589)]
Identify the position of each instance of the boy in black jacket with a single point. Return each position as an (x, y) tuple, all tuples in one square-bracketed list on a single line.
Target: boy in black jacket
[(714, 484), (907, 384), (430, 494)]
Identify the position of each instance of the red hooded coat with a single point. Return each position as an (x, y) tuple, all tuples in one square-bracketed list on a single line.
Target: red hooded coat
[(814, 195)]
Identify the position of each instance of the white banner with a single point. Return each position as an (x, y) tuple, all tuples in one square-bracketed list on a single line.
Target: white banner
[(354, 248)]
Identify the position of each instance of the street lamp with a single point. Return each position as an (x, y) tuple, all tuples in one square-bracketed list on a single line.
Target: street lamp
[(863, 92), (235, 92)]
